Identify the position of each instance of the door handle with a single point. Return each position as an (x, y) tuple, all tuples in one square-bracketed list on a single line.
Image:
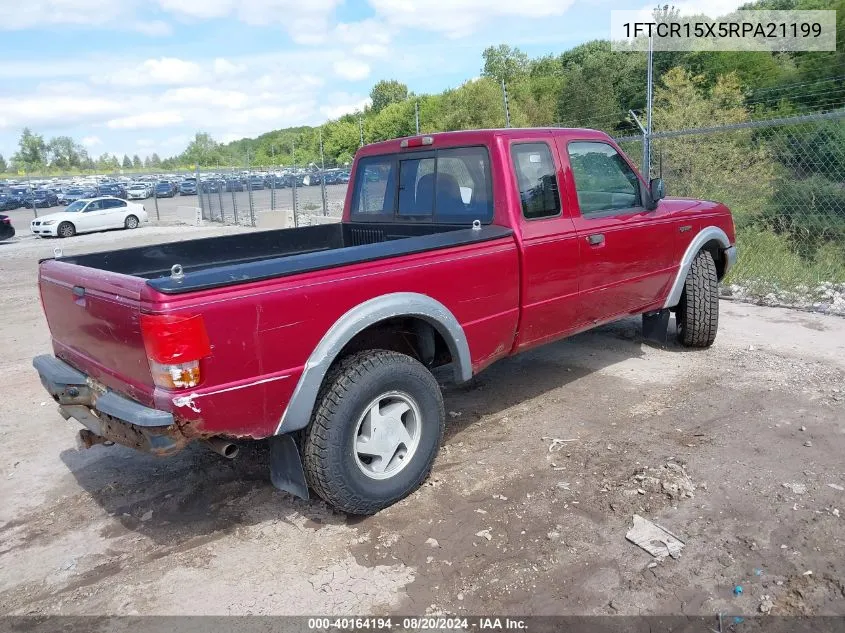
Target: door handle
[(596, 239)]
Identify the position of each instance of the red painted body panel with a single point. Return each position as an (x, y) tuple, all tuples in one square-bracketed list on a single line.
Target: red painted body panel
[(509, 294)]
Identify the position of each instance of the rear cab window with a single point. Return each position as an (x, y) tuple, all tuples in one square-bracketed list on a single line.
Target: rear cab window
[(444, 186)]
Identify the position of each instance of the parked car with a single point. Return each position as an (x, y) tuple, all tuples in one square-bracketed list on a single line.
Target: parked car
[(41, 198), (212, 185), (255, 182), (72, 194), (19, 193), (188, 187), (233, 184), (113, 190), (455, 250), (164, 189), (138, 191), (85, 216), (7, 231), (9, 202)]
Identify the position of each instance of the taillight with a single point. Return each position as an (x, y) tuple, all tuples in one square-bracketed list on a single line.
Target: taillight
[(175, 345), (417, 141), (5, 220)]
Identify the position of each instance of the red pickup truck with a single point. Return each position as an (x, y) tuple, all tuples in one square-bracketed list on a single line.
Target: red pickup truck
[(455, 250)]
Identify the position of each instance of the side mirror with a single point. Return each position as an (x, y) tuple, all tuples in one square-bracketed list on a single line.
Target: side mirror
[(657, 191)]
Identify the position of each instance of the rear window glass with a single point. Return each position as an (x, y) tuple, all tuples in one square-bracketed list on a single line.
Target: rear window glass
[(444, 186)]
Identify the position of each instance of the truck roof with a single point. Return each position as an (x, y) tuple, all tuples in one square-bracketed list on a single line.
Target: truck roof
[(478, 137)]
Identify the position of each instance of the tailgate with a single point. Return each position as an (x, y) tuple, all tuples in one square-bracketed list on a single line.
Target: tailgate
[(94, 319)]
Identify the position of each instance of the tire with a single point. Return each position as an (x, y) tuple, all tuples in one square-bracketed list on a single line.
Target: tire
[(66, 229), (131, 222), (335, 467), (698, 311)]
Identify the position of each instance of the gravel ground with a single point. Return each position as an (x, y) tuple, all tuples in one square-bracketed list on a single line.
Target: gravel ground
[(737, 450)]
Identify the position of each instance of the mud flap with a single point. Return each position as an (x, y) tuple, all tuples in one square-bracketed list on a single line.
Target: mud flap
[(656, 326), (286, 470)]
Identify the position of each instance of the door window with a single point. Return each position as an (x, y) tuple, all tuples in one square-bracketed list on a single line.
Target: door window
[(604, 182), (535, 175), (93, 206)]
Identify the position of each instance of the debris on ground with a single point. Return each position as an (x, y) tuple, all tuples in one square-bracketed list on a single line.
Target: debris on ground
[(485, 534), (670, 479), (557, 443), (738, 590), (147, 515), (657, 541), (455, 414), (796, 488), (836, 487), (766, 604), (808, 444), (432, 542)]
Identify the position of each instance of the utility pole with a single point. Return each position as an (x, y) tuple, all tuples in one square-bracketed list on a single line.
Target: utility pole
[(505, 99), (361, 129), (648, 107), (417, 115)]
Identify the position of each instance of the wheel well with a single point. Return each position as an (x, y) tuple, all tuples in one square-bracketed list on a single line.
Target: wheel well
[(715, 248), (409, 335)]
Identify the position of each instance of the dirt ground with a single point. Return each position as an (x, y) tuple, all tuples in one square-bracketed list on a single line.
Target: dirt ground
[(737, 450)]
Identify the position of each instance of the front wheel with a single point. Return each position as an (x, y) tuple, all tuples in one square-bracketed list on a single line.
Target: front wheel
[(375, 432), (66, 229), (698, 311), (131, 222)]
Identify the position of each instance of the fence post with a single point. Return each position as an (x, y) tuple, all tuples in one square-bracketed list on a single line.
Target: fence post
[(234, 199), (199, 190), (293, 189), (220, 185), (249, 191), (323, 176), (155, 199), (417, 116)]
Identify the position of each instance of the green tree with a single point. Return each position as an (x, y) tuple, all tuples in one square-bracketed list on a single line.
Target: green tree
[(729, 166), (202, 150), (504, 63), (3, 165), (387, 91), (136, 162), (64, 153), (127, 162), (31, 152), (155, 161), (146, 162)]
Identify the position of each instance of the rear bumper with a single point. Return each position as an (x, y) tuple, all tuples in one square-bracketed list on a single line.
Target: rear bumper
[(107, 414)]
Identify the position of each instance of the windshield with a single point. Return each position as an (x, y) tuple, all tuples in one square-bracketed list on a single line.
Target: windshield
[(75, 207)]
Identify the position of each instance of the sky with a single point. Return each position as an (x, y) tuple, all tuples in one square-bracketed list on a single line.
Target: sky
[(142, 76)]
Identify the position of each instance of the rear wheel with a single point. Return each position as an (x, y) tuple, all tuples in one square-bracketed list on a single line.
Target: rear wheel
[(375, 432), (698, 311), (66, 229), (131, 222)]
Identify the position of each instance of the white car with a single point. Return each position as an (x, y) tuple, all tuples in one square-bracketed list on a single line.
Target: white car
[(138, 191), (94, 214)]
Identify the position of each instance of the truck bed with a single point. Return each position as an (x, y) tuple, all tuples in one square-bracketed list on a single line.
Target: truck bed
[(232, 259)]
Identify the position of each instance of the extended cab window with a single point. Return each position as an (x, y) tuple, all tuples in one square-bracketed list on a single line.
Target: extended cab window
[(374, 187), (535, 175), (450, 186), (604, 182)]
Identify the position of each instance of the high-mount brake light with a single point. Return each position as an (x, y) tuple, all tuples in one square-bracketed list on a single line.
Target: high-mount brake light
[(175, 345), (417, 141)]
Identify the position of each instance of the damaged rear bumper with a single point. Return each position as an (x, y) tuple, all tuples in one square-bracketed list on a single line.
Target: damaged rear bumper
[(107, 414)]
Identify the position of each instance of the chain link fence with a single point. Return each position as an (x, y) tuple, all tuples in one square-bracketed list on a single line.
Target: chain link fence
[(784, 181), (271, 197)]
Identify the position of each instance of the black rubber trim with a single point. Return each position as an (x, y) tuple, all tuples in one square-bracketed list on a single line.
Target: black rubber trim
[(124, 409), (227, 275)]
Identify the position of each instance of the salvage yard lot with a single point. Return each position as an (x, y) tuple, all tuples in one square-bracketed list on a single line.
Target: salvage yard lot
[(737, 450)]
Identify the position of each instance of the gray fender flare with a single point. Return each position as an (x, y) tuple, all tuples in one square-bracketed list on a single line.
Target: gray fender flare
[(298, 412), (704, 236)]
